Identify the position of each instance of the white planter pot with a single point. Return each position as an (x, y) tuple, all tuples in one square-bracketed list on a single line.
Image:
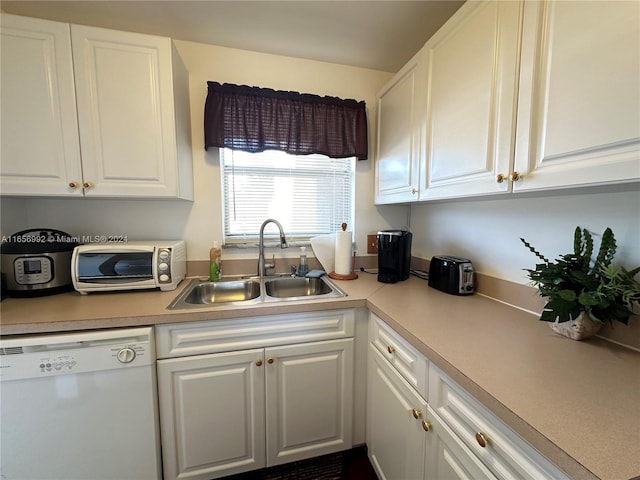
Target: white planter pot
[(578, 329)]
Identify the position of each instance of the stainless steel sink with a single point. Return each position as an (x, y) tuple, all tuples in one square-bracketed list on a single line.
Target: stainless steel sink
[(246, 291), (296, 287), (203, 293), (223, 292)]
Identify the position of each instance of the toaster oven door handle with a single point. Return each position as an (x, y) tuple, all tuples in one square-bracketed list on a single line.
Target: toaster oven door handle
[(116, 279)]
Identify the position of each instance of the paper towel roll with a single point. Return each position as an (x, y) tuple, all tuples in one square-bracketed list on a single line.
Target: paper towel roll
[(324, 247), (343, 253)]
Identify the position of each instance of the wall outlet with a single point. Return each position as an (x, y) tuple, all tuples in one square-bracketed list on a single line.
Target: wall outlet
[(372, 243)]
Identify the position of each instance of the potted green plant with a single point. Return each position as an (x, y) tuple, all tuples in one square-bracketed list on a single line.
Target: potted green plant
[(584, 292)]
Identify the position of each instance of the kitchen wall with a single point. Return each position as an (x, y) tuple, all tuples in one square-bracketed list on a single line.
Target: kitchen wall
[(487, 230), (199, 222)]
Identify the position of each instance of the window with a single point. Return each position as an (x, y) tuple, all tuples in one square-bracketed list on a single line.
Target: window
[(308, 194)]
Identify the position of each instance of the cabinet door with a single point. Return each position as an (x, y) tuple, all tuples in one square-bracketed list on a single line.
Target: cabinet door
[(447, 457), (400, 113), (473, 71), (578, 121), (126, 113), (309, 392), (212, 414), (40, 150), (395, 438), (491, 441)]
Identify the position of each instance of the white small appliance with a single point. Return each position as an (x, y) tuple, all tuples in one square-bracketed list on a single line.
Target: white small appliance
[(101, 267), (37, 262), (80, 406)]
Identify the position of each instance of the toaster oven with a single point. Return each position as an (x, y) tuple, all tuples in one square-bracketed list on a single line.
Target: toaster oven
[(101, 267)]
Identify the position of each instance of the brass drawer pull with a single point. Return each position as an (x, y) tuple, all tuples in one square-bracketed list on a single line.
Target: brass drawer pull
[(391, 349), (426, 426), (416, 413), (482, 439)]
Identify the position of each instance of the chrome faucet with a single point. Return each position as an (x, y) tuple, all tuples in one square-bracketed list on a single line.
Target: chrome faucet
[(262, 266)]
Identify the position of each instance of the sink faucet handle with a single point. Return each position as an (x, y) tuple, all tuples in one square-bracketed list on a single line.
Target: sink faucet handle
[(294, 271), (272, 264)]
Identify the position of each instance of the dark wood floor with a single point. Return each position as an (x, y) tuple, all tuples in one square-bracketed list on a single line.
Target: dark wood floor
[(349, 465)]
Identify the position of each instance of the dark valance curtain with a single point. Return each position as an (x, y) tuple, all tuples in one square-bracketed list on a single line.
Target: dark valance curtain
[(256, 119)]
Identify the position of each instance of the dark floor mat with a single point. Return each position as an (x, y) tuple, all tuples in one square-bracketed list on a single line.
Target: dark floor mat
[(348, 465)]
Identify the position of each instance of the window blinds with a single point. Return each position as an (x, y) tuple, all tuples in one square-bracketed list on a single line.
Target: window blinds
[(309, 195)]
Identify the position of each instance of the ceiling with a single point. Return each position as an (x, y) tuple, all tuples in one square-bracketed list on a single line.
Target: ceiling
[(377, 34)]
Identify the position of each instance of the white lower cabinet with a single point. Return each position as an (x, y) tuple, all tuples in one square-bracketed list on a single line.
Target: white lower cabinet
[(447, 458), (499, 447), (212, 409), (405, 440), (309, 395), (395, 439), (451, 436), (231, 412)]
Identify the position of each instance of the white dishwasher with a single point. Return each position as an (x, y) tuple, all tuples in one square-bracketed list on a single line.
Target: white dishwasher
[(79, 406)]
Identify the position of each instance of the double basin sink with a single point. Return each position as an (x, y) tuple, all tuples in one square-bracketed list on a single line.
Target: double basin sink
[(245, 291)]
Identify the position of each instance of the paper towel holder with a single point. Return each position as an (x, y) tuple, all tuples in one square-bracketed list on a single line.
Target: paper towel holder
[(350, 276)]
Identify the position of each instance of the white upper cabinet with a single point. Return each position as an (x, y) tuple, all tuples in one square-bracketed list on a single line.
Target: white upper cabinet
[(400, 127), (518, 96), (40, 150), (473, 74), (131, 96), (579, 99)]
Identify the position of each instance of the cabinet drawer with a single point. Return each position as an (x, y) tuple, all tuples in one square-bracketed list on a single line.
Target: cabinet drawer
[(197, 338), (505, 452), (448, 457), (410, 363)]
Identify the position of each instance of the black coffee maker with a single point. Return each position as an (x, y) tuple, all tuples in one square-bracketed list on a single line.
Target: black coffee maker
[(394, 255)]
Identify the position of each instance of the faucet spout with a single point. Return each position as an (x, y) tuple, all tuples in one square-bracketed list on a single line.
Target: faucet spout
[(262, 266)]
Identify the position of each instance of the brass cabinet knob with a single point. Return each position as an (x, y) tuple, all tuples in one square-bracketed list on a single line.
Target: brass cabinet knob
[(416, 413), (87, 185), (414, 191), (515, 176), (259, 363), (73, 184), (391, 349), (426, 426), (481, 439), (500, 178), (269, 360)]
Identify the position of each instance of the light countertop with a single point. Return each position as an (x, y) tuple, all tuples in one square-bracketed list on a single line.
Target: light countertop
[(576, 402), (73, 311)]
